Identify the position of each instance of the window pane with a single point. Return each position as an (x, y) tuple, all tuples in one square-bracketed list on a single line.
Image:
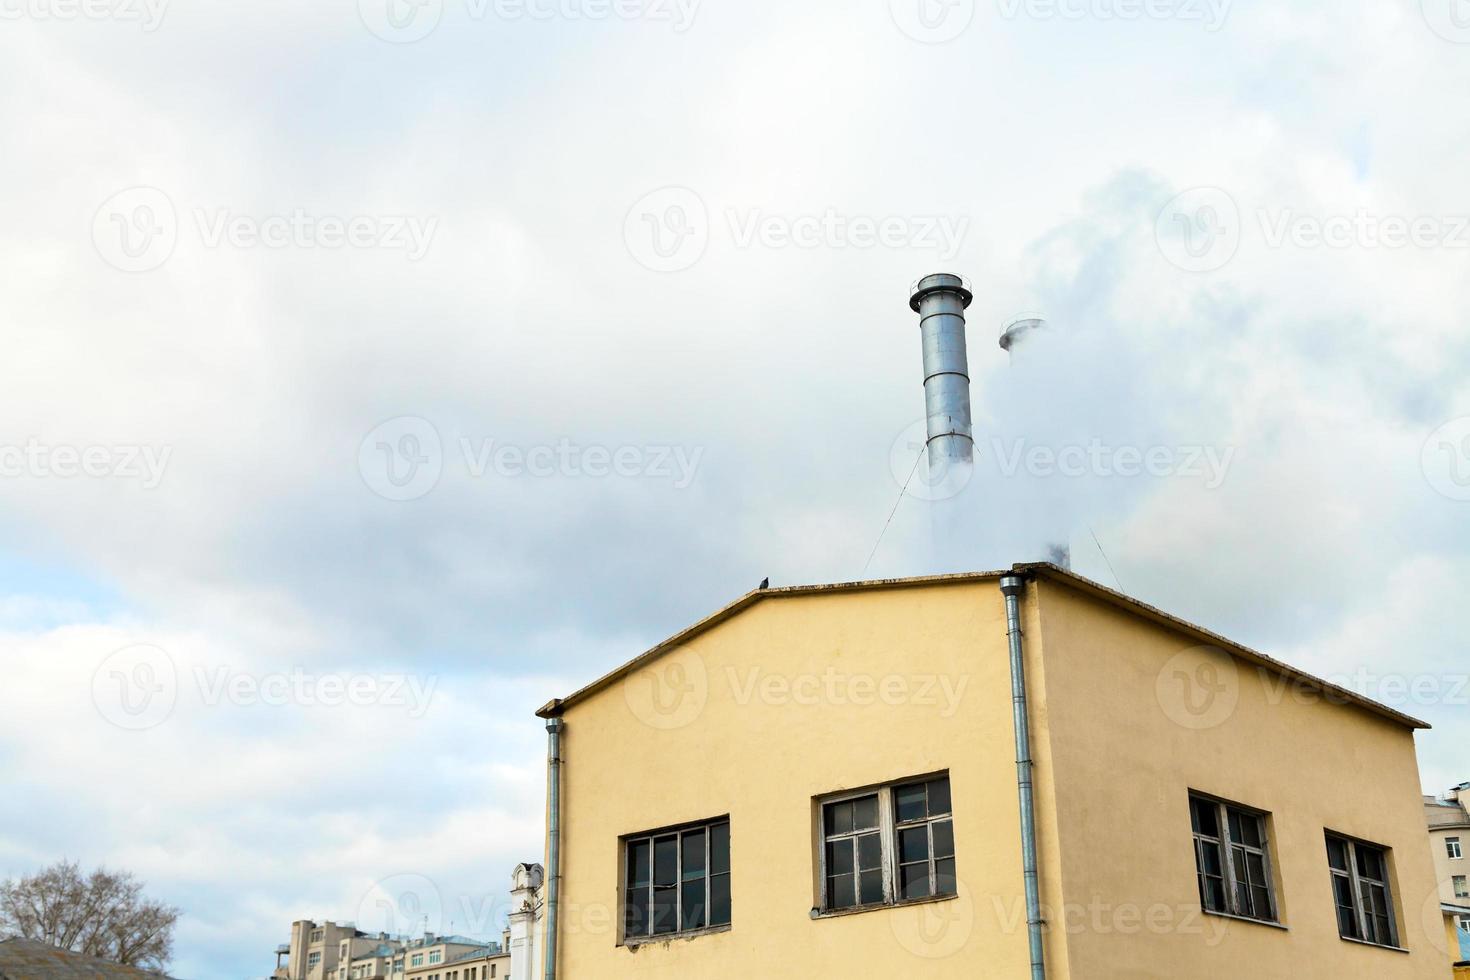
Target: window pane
[(666, 861), (638, 863), (719, 849), (913, 844), (870, 887), (841, 892), (939, 797), (865, 813), (1370, 863), (1210, 862), (691, 914), (1206, 816), (839, 857), (1255, 866), (945, 882), (1261, 900), (944, 839), (870, 852), (1214, 891), (665, 917), (913, 880), (1245, 828), (1337, 853), (1347, 919), (839, 818), (910, 802), (635, 921), (719, 900), (1242, 882), (693, 844)]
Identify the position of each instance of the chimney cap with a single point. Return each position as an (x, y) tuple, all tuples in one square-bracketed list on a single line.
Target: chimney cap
[(940, 282)]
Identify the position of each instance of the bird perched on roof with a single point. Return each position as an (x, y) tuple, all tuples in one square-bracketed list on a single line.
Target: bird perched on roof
[(765, 583)]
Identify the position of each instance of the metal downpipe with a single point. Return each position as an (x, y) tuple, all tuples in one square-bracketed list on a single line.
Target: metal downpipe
[(553, 840), (1011, 586)]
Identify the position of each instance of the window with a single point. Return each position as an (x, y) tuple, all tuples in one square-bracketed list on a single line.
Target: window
[(316, 936), (1462, 886), (888, 845), (1452, 844), (416, 960), (436, 956), (1360, 888), (1464, 923), (1232, 859), (312, 959), (677, 881)]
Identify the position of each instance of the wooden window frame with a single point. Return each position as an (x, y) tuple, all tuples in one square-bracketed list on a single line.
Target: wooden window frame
[(1360, 883), (1228, 846), (678, 832), (1452, 847), (889, 827)]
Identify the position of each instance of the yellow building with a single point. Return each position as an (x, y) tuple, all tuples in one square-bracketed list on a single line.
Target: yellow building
[(823, 781), (452, 962)]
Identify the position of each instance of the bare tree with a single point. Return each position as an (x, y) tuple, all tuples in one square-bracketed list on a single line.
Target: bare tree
[(103, 914)]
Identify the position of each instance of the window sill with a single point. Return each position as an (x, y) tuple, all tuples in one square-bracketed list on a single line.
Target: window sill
[(1245, 918), (860, 909), (669, 937), (1364, 942)]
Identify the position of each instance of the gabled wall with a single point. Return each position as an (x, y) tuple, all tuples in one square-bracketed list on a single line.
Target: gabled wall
[(1139, 715), (743, 721)]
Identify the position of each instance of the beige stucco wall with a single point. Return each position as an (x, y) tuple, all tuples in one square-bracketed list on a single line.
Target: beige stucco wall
[(717, 728), (1140, 714), (632, 766)]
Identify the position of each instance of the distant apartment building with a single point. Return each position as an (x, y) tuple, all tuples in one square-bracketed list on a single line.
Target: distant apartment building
[(317, 950), (381, 959), (1014, 774), (1449, 838), (488, 962), (328, 951)]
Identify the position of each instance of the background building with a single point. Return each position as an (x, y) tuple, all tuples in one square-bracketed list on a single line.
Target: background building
[(487, 962), (1448, 817)]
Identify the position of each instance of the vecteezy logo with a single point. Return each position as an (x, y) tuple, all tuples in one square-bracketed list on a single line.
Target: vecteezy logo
[(669, 693), (1450, 19), (135, 230), (401, 21), (936, 930), (932, 21), (668, 229), (1446, 459), (136, 687), (1199, 688), (402, 904), (402, 459), (916, 475), (1199, 231)]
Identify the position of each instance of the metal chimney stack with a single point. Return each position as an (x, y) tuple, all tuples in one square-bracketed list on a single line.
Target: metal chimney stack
[(941, 301)]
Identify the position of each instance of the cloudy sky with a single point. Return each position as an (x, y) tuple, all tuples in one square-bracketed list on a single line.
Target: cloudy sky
[(375, 371)]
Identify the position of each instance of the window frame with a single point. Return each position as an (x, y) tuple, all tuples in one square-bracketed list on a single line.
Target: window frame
[(1227, 846), (1460, 885), (1357, 881), (889, 827), (1453, 848), (677, 832)]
